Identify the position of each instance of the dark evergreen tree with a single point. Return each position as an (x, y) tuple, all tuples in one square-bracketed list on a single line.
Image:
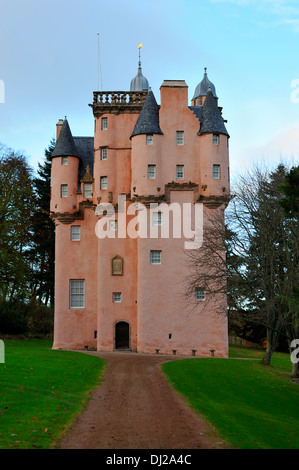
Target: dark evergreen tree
[(43, 238)]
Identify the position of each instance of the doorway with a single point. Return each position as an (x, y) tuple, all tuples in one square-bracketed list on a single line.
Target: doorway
[(122, 335)]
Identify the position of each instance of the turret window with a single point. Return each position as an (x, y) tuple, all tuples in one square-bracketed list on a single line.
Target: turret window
[(63, 190), (215, 139), (216, 172), (117, 297), (104, 123), (75, 233), (149, 139), (180, 172), (151, 172), (87, 190), (104, 182), (200, 295), (104, 153), (64, 160), (180, 138)]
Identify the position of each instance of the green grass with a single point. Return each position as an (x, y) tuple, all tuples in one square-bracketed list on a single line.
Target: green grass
[(42, 391), (252, 406)]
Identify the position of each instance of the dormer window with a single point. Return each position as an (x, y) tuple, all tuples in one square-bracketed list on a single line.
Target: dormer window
[(88, 190), (64, 160), (149, 139)]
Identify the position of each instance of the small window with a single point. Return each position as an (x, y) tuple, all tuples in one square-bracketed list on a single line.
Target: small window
[(113, 225), (180, 138), (77, 294), (215, 139), (117, 297), (157, 219), (216, 172), (156, 257), (87, 190), (75, 233), (104, 182), (200, 295), (64, 160), (63, 191), (104, 153), (151, 172), (149, 139), (104, 123), (180, 172)]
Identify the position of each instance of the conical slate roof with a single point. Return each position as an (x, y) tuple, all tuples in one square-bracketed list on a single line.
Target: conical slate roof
[(211, 121), (203, 87), (139, 83), (148, 120), (65, 145)]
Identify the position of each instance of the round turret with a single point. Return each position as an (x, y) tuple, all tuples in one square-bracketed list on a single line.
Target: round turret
[(203, 88)]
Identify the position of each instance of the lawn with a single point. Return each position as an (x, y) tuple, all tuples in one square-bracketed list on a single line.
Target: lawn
[(252, 406), (42, 391)]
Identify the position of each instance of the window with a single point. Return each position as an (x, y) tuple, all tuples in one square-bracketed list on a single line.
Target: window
[(156, 257), (215, 139), (75, 233), (104, 182), (113, 225), (151, 172), (157, 219), (104, 123), (63, 190), (77, 294), (117, 297), (149, 139), (200, 295), (104, 153), (180, 172), (87, 189), (180, 138), (64, 160), (216, 172)]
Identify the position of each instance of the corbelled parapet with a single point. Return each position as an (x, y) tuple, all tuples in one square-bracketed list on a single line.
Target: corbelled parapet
[(116, 102)]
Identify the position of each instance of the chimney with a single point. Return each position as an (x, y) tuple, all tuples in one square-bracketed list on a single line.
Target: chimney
[(58, 128)]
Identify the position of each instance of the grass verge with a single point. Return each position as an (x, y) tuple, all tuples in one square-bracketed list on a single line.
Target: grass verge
[(42, 392), (252, 406)]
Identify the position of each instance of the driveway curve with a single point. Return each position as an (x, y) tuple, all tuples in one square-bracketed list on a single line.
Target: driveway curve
[(136, 408)]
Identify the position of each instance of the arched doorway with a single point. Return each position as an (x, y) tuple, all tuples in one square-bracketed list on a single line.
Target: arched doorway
[(122, 335)]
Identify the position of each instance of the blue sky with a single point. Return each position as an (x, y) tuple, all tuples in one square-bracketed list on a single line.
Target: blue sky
[(48, 65)]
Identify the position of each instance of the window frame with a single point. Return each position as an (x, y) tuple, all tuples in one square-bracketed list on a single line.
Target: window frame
[(200, 294), (218, 176), (64, 160), (177, 172), (153, 259), (157, 219), (152, 167), (102, 183), (85, 191), (75, 237), (104, 152), (215, 139), (104, 123), (79, 295), (115, 296), (180, 138), (64, 190), (149, 139)]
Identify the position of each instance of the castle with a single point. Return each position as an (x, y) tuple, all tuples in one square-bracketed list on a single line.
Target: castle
[(119, 282)]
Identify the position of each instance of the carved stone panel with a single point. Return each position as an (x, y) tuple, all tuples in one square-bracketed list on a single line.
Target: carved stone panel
[(117, 266)]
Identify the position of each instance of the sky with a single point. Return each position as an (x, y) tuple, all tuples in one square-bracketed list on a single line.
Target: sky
[(49, 66)]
